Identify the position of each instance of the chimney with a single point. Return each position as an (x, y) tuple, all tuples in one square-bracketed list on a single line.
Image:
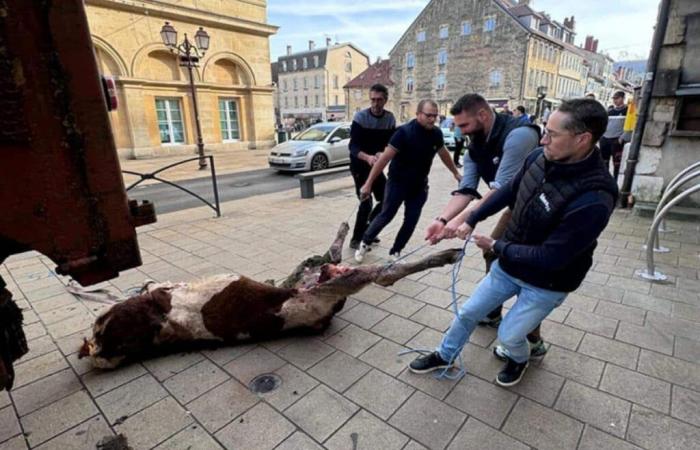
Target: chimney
[(289, 50), (312, 45), (328, 42), (589, 43), (595, 46), (524, 2)]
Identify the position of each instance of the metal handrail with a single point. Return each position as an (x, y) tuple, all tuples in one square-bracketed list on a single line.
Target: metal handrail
[(672, 187), (216, 206), (650, 273)]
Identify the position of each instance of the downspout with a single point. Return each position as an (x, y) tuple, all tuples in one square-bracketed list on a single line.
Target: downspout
[(645, 100), (523, 80)]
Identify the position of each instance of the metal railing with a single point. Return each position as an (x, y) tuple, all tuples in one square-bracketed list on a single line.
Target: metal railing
[(154, 176), (659, 223)]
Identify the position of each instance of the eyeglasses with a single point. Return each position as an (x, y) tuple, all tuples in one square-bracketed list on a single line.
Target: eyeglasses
[(555, 134), (429, 115)]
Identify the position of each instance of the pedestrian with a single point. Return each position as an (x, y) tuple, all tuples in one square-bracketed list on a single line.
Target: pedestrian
[(506, 110), (521, 114), (612, 143), (370, 132), (459, 144), (411, 151), (562, 200), (498, 147), (545, 116)]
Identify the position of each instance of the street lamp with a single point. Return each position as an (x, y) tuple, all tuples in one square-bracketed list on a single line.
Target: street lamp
[(541, 94), (189, 57)]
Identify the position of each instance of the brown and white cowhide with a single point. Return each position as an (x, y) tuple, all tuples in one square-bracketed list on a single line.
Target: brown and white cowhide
[(228, 309)]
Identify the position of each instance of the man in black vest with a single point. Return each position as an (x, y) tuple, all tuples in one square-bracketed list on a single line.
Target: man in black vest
[(498, 147), (561, 200)]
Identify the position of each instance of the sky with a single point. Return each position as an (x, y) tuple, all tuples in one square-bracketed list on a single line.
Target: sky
[(623, 27)]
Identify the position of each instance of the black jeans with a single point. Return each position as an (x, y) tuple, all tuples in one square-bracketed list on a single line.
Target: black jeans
[(612, 148), (365, 213), (397, 193), (459, 145)]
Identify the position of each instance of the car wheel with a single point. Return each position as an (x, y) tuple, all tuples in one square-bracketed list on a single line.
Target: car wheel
[(319, 162)]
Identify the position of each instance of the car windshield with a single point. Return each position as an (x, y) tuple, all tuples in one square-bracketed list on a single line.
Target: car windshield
[(317, 133)]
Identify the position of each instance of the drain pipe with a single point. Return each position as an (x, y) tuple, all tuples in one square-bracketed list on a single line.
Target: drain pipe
[(645, 100)]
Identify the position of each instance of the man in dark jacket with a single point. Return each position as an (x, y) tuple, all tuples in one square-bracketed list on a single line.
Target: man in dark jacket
[(561, 200), (370, 132), (612, 143)]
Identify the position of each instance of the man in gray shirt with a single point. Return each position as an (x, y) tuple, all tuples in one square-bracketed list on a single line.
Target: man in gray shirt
[(612, 143)]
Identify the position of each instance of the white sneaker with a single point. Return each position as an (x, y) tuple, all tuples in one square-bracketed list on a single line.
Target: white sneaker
[(394, 257), (361, 252)]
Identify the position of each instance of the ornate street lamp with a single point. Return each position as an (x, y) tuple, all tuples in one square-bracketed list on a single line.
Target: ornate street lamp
[(541, 94), (189, 54)]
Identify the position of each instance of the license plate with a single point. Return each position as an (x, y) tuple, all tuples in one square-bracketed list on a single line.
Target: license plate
[(277, 160)]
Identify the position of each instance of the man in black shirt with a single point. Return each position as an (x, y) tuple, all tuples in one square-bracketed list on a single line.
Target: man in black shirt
[(370, 132), (411, 151)]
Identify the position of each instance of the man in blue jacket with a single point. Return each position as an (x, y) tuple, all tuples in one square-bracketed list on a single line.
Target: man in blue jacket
[(561, 201)]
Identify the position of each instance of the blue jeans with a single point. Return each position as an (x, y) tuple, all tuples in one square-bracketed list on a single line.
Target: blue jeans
[(531, 307)]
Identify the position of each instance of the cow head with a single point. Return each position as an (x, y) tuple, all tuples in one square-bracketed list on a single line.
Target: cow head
[(127, 329)]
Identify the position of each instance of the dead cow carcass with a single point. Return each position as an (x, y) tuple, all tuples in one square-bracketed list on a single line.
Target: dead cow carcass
[(229, 309)]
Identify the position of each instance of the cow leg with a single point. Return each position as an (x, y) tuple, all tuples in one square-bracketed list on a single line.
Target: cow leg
[(395, 272), (13, 343)]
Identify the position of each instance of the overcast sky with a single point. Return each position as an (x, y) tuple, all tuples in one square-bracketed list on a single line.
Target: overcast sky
[(623, 27)]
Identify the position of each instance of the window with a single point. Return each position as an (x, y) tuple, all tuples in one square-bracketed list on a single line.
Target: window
[(409, 84), (294, 64), (296, 101), (531, 78), (410, 60), (489, 24), (228, 117), (317, 81), (284, 85), (420, 36), (306, 101), (286, 102), (336, 100), (316, 101), (348, 55), (306, 83), (342, 133), (305, 63), (335, 82), (284, 66), (442, 57), (315, 60), (358, 94), (170, 121), (441, 80), (348, 66), (466, 28), (495, 78), (444, 31)]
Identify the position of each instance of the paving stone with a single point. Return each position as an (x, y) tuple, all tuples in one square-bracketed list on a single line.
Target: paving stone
[(9, 425), (637, 388), (485, 401), (596, 408), (54, 419), (442, 298), (167, 366), (62, 313), (670, 369), (192, 437), (481, 362), (71, 344), (672, 325), (353, 340), (37, 368), (592, 323), (154, 424), (554, 430), (384, 355), (539, 385), (34, 331), (339, 371), (295, 384), (401, 305), (131, 398), (653, 430), (408, 287), (609, 350), (16, 443), (397, 328), (81, 366), (4, 399), (39, 346), (428, 421), (594, 439), (224, 355), (413, 445), (81, 437), (321, 412), (100, 381), (686, 405), (365, 431), (561, 335), (364, 316), (687, 349), (438, 280), (574, 366), (45, 391), (436, 318), (647, 302), (193, 382), (373, 295), (304, 352), (299, 441), (71, 325), (621, 312), (254, 363), (379, 393), (259, 428), (222, 404), (687, 312), (475, 434), (648, 337)]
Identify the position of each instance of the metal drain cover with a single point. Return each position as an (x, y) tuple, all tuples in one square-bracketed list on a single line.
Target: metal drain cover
[(267, 382)]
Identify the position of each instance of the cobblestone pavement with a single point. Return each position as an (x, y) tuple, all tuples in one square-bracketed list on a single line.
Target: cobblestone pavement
[(621, 372)]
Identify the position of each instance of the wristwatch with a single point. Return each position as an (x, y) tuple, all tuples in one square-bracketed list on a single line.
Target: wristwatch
[(441, 219)]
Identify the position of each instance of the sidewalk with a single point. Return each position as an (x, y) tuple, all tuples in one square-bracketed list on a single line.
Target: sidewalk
[(621, 372)]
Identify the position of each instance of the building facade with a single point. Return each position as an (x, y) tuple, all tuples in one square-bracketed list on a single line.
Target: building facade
[(310, 83), (357, 89), (156, 115), (599, 81)]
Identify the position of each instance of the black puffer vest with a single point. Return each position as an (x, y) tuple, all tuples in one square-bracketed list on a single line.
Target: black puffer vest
[(487, 155), (545, 191)]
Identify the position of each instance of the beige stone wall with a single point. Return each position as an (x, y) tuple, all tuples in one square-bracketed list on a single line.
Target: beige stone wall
[(126, 35), (358, 99)]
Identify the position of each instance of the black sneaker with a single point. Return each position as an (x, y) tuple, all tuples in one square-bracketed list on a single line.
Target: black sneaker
[(428, 363), (491, 323), (354, 244), (512, 373), (376, 241)]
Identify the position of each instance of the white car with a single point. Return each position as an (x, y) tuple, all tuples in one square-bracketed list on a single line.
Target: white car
[(449, 138), (318, 147)]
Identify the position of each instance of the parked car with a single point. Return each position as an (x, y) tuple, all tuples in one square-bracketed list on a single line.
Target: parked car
[(318, 147), (449, 138)]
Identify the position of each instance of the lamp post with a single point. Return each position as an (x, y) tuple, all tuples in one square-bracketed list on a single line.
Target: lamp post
[(189, 54), (541, 94)]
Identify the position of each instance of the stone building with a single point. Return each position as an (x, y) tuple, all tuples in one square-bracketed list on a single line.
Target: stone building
[(155, 115), (357, 89), (671, 135), (599, 81), (310, 83)]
